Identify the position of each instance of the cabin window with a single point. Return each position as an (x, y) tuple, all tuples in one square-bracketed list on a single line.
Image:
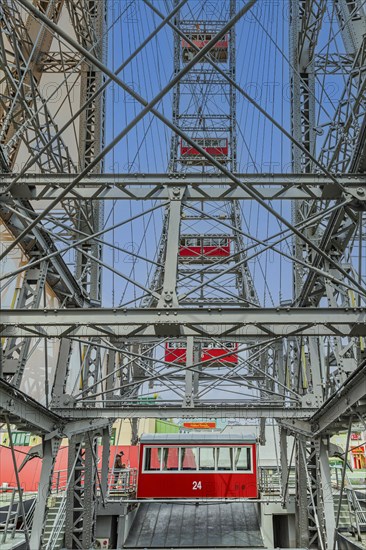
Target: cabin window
[(152, 459), (176, 345), (224, 458), (242, 458), (189, 458), (170, 458), (229, 345), (207, 458)]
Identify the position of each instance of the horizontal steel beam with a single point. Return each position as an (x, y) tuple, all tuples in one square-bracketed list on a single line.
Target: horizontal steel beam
[(154, 324), (22, 409), (200, 411), (199, 186), (341, 402)]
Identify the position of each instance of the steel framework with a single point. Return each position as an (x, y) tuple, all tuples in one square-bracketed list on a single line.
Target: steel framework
[(300, 362)]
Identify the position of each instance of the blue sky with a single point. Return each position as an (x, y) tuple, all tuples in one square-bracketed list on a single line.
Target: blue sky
[(262, 71)]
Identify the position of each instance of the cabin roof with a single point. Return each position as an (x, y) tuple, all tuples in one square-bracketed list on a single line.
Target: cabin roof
[(199, 437)]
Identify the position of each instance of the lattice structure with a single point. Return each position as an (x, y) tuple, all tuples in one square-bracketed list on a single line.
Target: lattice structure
[(192, 338)]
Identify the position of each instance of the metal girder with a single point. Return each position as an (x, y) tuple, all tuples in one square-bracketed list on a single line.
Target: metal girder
[(210, 187), (89, 19), (23, 111), (312, 12), (16, 351), (22, 409), (38, 243), (352, 22), (212, 410), (159, 323), (342, 137), (341, 402), (333, 63)]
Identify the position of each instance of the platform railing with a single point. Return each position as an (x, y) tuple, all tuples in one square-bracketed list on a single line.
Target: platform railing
[(59, 481), (9, 527), (353, 486), (122, 482), (357, 513), (270, 481)]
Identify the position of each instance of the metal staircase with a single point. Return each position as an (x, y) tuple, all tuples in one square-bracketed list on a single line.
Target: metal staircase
[(54, 529)]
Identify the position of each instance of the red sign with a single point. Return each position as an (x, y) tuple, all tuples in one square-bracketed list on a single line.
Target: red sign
[(199, 425), (355, 436), (358, 450)]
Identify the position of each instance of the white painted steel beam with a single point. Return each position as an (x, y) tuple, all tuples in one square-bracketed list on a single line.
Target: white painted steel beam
[(222, 322), (210, 411), (22, 409), (342, 401), (199, 186)]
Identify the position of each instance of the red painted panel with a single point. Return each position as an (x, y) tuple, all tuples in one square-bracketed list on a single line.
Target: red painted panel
[(30, 474), (221, 44), (179, 355), (213, 151), (205, 251), (198, 484)]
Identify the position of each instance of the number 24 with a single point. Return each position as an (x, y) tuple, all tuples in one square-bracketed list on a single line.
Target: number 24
[(196, 485)]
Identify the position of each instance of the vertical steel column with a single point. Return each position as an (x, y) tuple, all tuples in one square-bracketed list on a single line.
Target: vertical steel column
[(90, 490), (61, 373), (75, 494), (328, 502), (81, 494), (284, 466), (106, 438), (50, 449), (302, 522), (169, 291), (189, 402), (90, 23), (173, 162)]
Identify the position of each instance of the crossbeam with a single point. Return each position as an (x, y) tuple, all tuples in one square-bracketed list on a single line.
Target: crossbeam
[(22, 409), (152, 324), (341, 402), (199, 186), (205, 412)]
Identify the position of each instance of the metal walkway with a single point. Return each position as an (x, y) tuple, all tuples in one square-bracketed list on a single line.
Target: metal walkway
[(221, 525)]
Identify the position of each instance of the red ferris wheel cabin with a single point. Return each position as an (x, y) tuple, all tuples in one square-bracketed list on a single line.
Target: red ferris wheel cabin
[(214, 354), (197, 465), (214, 146), (219, 52), (204, 248)]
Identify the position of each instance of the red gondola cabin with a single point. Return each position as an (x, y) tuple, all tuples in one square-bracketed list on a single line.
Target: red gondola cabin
[(215, 355), (199, 248), (219, 52), (197, 465), (214, 146)]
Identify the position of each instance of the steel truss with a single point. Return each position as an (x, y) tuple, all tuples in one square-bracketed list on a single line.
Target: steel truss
[(300, 363)]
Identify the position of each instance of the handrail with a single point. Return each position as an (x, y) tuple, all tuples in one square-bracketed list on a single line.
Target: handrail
[(120, 480), (270, 480), (29, 516), (61, 514), (356, 512), (12, 516)]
